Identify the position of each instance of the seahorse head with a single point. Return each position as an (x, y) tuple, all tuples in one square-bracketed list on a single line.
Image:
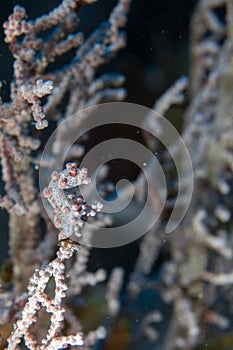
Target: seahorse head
[(73, 176)]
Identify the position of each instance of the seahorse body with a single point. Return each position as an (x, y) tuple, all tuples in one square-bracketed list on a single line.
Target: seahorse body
[(70, 209)]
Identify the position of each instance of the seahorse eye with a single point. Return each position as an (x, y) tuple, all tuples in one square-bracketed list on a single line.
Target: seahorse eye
[(64, 182), (73, 172)]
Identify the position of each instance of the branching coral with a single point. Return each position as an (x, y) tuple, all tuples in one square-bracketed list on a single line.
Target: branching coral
[(195, 277)]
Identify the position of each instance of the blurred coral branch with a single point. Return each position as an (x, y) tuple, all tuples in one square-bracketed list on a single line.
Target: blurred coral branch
[(191, 286)]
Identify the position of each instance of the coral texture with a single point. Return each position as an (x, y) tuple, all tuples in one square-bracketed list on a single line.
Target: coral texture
[(178, 294)]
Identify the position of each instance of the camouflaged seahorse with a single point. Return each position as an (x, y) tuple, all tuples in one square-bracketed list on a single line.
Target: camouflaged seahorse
[(70, 209)]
